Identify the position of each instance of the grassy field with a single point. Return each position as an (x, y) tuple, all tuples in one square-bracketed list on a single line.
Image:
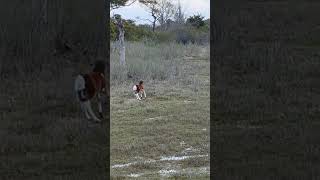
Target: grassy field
[(43, 133), (167, 134), (265, 114)]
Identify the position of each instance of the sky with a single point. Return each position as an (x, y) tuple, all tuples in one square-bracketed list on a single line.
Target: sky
[(190, 7)]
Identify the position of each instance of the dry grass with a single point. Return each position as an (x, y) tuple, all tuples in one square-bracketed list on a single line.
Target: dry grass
[(265, 95), (150, 61), (173, 118), (43, 135)]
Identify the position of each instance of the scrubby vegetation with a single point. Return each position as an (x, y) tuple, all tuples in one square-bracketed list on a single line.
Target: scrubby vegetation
[(148, 61), (194, 30)]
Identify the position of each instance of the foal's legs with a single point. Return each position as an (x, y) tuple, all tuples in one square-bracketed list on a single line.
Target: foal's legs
[(144, 94), (87, 105), (79, 87), (137, 95), (99, 105), (84, 109)]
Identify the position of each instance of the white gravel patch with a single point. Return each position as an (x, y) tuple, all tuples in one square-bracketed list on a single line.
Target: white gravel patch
[(163, 158), (135, 175), (123, 165), (179, 158), (165, 172)]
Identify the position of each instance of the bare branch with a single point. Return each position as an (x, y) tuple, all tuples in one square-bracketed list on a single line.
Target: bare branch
[(117, 7)]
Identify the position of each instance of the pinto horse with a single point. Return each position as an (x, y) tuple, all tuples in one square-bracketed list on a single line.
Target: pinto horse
[(88, 86), (138, 90)]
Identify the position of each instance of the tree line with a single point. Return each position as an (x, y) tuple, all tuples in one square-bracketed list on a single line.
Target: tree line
[(167, 23)]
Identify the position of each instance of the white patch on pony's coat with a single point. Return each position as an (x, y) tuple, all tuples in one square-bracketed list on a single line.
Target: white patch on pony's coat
[(137, 96), (79, 84), (134, 88)]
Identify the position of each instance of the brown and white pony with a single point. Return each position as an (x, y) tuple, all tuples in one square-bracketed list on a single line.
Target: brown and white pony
[(138, 90), (88, 86)]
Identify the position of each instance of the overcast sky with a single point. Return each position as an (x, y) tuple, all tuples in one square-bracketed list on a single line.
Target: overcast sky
[(190, 7)]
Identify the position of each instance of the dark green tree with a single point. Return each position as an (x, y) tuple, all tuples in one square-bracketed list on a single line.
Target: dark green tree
[(196, 21)]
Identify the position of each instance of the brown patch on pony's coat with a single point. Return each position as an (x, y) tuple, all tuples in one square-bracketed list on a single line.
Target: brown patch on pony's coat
[(139, 88), (95, 82)]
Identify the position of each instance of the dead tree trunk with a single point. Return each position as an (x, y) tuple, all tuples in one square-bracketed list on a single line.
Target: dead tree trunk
[(121, 43), (154, 20)]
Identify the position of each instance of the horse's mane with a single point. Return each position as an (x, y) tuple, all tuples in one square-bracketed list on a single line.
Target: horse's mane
[(99, 66)]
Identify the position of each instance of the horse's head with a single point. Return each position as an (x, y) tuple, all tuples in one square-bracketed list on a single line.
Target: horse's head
[(99, 66)]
